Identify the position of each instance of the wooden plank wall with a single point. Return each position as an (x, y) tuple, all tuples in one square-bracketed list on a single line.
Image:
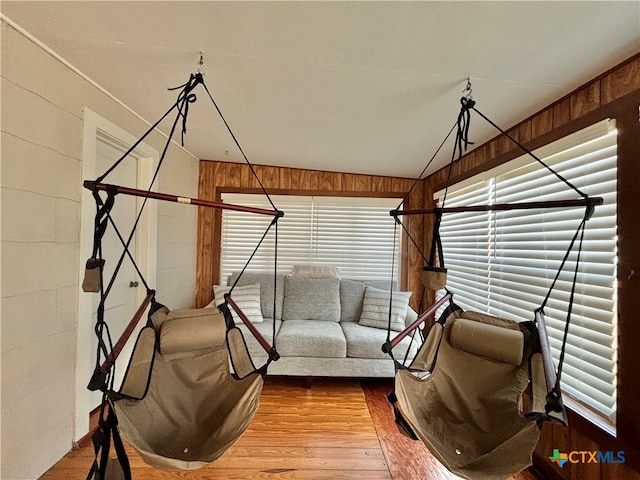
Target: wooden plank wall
[(614, 94), (217, 177)]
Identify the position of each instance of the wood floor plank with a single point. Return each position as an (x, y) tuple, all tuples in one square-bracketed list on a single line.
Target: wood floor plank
[(301, 463), (258, 474), (245, 473), (335, 458), (312, 440), (307, 452), (406, 458)]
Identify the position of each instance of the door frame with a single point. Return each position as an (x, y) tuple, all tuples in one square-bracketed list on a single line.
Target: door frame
[(96, 128)]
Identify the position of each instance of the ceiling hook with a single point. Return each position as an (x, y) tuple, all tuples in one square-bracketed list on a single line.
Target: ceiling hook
[(201, 65), (468, 91)]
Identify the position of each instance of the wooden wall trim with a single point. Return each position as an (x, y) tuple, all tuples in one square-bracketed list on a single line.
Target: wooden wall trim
[(315, 193), (628, 415), (221, 177)]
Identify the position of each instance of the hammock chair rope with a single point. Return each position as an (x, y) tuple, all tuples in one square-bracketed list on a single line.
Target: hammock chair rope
[(185, 97), (461, 142), (107, 353)]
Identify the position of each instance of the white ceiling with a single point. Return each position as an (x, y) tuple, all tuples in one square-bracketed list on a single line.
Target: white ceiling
[(361, 87)]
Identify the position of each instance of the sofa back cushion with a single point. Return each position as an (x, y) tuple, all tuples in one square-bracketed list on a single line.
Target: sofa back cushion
[(382, 284), (351, 297), (266, 290), (311, 299)]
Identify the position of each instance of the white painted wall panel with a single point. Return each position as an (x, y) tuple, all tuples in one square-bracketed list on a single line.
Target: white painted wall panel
[(49, 172), (37, 436), (32, 219), (42, 128), (29, 116)]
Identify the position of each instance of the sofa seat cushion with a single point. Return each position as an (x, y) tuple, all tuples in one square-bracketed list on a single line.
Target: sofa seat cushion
[(366, 342), (311, 338), (311, 299)]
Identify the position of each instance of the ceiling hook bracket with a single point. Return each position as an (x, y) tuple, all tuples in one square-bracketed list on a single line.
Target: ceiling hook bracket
[(201, 65), (468, 91)]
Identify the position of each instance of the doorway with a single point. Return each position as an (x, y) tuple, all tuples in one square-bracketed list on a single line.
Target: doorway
[(104, 143)]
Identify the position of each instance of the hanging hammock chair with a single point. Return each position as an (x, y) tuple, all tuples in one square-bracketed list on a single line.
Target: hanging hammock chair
[(191, 388), (180, 404), (480, 387), (475, 394)]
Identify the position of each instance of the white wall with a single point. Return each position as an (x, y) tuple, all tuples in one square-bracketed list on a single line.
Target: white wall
[(41, 191), (177, 236)]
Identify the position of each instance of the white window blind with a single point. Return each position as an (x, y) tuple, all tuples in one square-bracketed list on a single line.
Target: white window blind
[(355, 234), (503, 263)]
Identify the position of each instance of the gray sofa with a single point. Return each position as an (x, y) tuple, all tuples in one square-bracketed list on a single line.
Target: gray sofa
[(324, 326)]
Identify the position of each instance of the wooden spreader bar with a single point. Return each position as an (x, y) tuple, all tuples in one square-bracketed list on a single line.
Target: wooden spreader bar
[(93, 186), (97, 379), (254, 331), (590, 202)]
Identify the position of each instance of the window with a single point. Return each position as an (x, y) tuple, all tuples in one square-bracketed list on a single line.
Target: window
[(503, 263), (353, 233)]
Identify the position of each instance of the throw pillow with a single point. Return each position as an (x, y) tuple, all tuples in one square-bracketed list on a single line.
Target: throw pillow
[(315, 271), (311, 299), (247, 298), (375, 309), (270, 287)]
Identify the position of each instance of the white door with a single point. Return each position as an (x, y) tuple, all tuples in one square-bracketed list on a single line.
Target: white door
[(122, 300), (103, 144)]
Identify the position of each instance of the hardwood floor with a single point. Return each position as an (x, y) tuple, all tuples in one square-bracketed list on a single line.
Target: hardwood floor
[(340, 429)]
